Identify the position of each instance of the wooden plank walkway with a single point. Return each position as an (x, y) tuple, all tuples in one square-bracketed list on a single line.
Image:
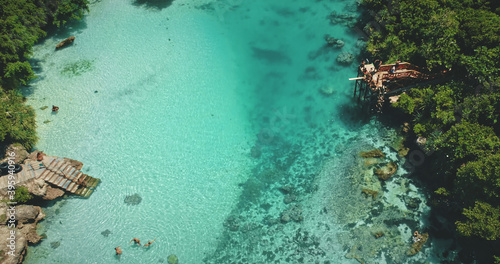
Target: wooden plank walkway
[(61, 174), (56, 171)]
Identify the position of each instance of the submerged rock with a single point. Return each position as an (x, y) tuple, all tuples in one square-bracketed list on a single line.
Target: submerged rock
[(172, 259), (417, 245), (376, 153), (387, 171), (345, 58), (65, 42), (134, 199), (294, 213), (55, 244), (232, 223), (327, 89), (369, 192), (106, 233), (334, 42)]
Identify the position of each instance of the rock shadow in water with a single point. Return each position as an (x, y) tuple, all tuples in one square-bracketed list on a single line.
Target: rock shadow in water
[(155, 4)]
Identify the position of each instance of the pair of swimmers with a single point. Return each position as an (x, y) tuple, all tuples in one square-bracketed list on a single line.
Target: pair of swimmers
[(136, 242)]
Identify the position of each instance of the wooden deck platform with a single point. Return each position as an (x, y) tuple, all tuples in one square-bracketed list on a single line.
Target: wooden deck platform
[(375, 84), (60, 173)]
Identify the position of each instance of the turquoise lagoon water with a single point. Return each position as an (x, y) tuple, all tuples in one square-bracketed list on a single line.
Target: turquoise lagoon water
[(213, 112)]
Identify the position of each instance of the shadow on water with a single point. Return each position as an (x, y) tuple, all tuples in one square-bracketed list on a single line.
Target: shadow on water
[(155, 4)]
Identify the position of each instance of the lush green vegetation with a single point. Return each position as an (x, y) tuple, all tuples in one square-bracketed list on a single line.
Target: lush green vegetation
[(22, 195), (459, 118), (22, 23)]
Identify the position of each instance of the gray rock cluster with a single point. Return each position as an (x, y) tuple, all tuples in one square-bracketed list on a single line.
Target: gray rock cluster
[(345, 58)]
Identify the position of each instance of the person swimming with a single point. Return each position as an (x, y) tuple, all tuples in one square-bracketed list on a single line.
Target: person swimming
[(118, 250), (55, 108), (136, 241), (149, 243)]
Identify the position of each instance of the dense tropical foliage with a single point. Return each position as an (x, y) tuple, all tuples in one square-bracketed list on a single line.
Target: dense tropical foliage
[(22, 23), (459, 119)]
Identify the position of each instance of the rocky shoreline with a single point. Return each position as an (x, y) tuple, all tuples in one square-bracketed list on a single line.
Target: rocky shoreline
[(18, 221)]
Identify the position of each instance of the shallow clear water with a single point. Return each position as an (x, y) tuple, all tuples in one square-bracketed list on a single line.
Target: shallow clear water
[(206, 110)]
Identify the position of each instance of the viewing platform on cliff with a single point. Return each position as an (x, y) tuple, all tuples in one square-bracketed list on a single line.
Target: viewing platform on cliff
[(377, 81)]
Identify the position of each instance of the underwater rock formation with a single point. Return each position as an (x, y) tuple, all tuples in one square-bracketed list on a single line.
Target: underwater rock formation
[(172, 259), (232, 223), (386, 171), (417, 245), (334, 42), (376, 153), (65, 42), (55, 244), (293, 213), (371, 193), (106, 233), (327, 89), (345, 58), (346, 19), (134, 199)]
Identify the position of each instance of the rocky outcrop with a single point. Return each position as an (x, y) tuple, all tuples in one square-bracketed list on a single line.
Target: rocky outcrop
[(37, 187), (53, 193), (18, 237), (29, 214), (65, 42), (20, 153)]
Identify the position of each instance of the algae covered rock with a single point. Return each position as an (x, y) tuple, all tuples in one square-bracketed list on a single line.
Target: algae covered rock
[(417, 245), (369, 192), (387, 171), (172, 259), (376, 153)]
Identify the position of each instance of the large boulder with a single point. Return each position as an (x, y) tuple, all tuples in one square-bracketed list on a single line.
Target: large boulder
[(29, 213), (53, 193), (37, 187)]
